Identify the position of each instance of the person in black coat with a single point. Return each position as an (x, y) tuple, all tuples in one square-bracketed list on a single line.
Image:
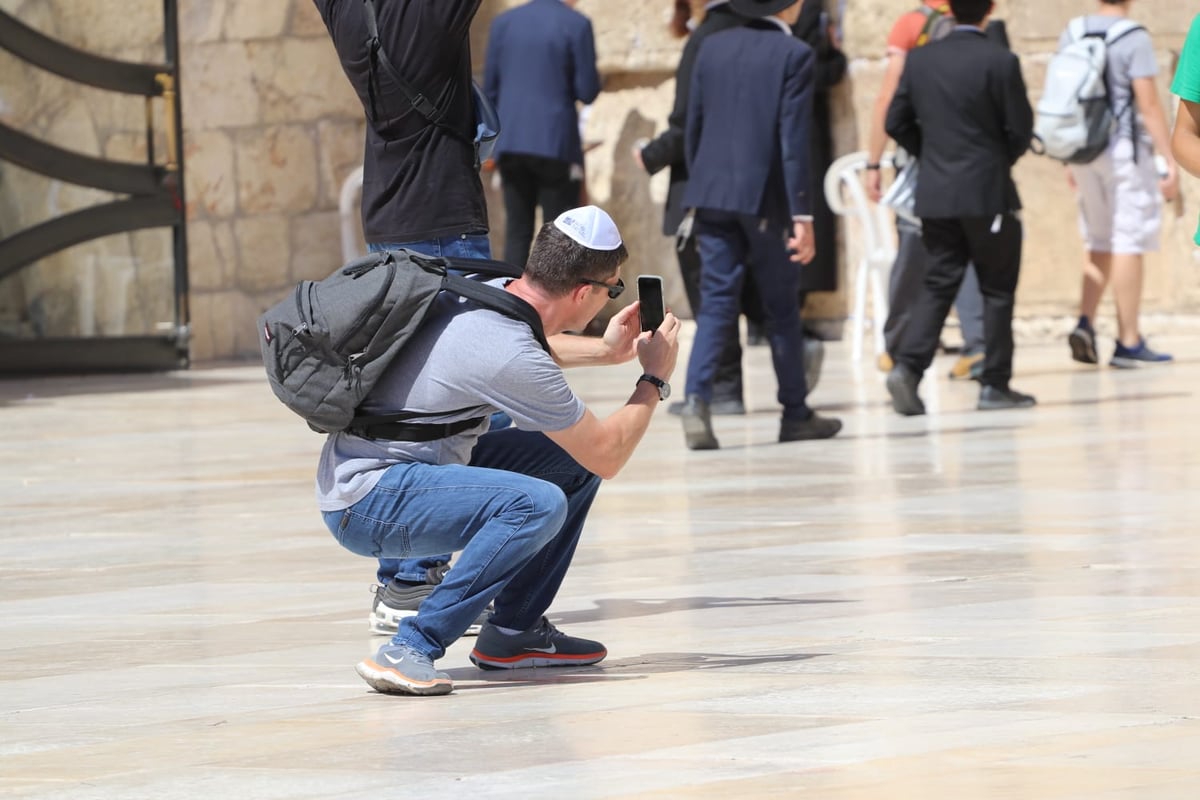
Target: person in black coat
[(962, 108), (813, 28), (748, 158), (666, 150)]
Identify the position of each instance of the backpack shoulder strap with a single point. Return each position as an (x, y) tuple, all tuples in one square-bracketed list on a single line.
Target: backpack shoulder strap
[(1077, 28), (419, 101), (376, 55), (498, 300), (489, 296), (1120, 30)]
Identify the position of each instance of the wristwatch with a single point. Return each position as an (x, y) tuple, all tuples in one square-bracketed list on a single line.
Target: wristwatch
[(664, 388)]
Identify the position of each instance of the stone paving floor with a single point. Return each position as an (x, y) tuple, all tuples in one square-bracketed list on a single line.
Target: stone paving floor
[(968, 604)]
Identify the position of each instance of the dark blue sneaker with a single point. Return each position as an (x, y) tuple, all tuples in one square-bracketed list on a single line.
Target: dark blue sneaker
[(1132, 357), (1083, 345), (543, 645)]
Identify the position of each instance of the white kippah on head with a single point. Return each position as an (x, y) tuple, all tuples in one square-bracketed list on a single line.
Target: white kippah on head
[(591, 227)]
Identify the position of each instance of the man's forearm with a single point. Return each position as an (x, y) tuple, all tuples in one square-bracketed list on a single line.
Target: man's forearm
[(570, 350), (877, 137), (1185, 143)]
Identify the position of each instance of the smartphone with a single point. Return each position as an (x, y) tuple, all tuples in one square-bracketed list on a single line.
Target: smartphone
[(652, 310)]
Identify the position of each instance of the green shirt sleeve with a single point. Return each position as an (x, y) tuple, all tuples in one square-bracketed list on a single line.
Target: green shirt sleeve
[(1187, 76)]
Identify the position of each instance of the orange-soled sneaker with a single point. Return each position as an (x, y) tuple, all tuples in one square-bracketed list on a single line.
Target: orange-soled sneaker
[(543, 645), (399, 669)]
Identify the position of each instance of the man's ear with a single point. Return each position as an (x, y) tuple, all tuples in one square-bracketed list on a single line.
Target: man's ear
[(579, 294)]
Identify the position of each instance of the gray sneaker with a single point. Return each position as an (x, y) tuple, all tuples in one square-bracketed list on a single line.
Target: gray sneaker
[(399, 669), (543, 645), (397, 600)]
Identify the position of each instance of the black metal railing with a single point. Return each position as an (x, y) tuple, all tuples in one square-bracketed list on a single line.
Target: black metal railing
[(153, 196)]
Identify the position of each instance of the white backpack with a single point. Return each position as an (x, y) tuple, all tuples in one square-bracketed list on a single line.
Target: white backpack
[(1074, 116)]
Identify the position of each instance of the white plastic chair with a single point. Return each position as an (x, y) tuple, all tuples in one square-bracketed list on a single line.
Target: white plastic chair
[(877, 250), (348, 210)]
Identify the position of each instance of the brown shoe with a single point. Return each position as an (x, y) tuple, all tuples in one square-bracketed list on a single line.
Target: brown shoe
[(967, 367)]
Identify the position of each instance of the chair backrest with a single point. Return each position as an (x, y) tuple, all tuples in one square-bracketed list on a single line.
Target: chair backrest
[(350, 216), (846, 196)]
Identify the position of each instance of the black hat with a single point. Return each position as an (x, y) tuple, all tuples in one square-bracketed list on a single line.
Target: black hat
[(760, 8)]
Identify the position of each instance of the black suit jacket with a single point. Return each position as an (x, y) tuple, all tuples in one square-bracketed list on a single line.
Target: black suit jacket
[(748, 124), (962, 107), (666, 150)]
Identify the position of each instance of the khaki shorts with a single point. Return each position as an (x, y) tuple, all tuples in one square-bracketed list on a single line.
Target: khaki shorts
[(1120, 208)]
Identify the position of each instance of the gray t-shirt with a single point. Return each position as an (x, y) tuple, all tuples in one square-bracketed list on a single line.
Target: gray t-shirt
[(1131, 56), (464, 358)]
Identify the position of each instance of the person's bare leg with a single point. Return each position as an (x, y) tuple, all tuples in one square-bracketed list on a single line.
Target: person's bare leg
[(1096, 274), (1127, 279)]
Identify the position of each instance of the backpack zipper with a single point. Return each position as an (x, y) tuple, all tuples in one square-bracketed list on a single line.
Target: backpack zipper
[(380, 296)]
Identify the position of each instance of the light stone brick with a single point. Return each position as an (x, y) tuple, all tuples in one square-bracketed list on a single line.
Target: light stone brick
[(300, 80), (340, 151), (212, 255), (276, 170), (306, 20), (202, 20), (224, 324), (264, 254), (217, 88), (96, 28), (316, 245), (210, 177), (256, 20)]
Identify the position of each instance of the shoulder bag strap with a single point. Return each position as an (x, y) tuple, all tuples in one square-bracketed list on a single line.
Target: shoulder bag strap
[(419, 101)]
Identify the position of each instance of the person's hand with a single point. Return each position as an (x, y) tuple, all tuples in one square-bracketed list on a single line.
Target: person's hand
[(659, 352), (621, 335), (873, 184), (637, 153), (1169, 185), (802, 244)]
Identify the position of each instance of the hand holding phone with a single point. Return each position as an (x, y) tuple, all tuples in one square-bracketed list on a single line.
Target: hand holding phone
[(652, 309)]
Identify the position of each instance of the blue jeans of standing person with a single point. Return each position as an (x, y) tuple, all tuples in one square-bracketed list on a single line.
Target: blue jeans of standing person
[(413, 570), (729, 244), (516, 512)]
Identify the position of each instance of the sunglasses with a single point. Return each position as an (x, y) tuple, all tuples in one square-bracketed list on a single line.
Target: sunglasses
[(614, 289)]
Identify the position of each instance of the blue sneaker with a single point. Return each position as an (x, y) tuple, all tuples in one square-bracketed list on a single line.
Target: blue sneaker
[(399, 669), (1131, 357), (1083, 345), (543, 645)]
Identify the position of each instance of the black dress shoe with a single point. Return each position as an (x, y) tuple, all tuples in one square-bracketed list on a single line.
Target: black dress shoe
[(730, 407), (815, 427), (697, 425), (718, 408), (902, 386), (994, 398)]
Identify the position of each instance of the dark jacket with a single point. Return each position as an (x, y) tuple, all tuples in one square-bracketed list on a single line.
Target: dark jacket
[(666, 150), (541, 59), (419, 179), (747, 134), (962, 108)]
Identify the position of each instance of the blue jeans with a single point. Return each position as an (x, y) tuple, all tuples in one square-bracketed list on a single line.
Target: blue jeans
[(516, 512), (466, 245), (727, 242)]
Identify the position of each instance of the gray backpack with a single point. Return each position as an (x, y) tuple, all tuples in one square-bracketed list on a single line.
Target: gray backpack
[(326, 346)]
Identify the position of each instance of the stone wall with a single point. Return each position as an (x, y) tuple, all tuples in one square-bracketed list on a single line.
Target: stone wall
[(272, 130)]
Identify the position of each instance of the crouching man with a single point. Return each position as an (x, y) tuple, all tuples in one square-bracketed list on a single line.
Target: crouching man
[(514, 501)]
